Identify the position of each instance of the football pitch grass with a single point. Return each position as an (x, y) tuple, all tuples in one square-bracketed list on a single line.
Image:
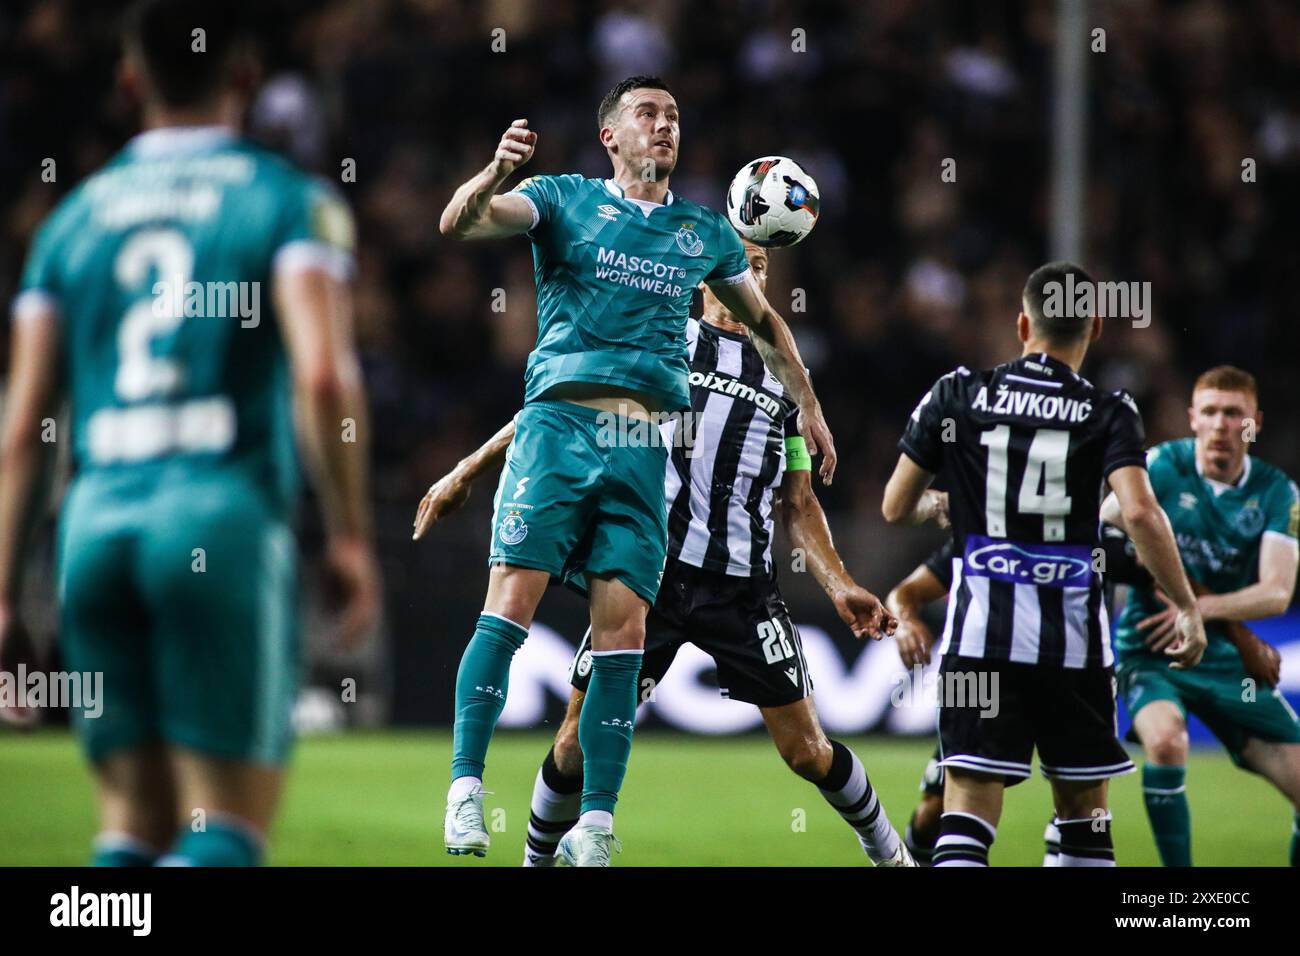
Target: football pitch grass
[(376, 798)]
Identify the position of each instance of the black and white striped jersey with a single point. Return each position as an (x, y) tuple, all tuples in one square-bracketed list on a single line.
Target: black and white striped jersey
[(722, 474), (939, 563), (1024, 449)]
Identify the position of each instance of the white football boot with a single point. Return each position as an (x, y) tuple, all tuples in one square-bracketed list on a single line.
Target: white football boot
[(533, 858), (586, 846), (902, 857), (463, 831)]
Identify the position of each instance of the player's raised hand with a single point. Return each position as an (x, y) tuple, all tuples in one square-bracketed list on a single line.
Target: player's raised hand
[(353, 585), (817, 436), (915, 640), (444, 496), (516, 147), (863, 612), (1190, 646)]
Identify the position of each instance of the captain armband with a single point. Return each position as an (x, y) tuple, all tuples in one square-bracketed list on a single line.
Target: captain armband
[(796, 454)]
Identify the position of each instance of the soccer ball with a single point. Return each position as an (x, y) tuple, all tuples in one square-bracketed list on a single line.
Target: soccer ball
[(772, 202)]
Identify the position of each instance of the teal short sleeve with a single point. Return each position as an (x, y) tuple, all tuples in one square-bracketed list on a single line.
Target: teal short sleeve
[(732, 262)]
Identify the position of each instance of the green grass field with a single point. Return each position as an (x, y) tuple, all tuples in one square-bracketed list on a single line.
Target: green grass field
[(376, 798)]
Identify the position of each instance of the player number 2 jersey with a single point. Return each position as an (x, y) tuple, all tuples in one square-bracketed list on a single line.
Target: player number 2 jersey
[(160, 268), (614, 285), (1024, 449)]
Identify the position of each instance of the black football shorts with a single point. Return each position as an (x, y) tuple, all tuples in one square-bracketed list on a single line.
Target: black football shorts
[(741, 623), (994, 714)]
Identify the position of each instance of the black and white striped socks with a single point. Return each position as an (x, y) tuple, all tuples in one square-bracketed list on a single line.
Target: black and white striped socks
[(1086, 842), (1052, 844), (964, 840), (554, 811), (847, 789)]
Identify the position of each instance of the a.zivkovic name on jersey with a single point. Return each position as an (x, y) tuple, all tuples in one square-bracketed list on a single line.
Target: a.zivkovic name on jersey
[(1023, 450), (1027, 404)]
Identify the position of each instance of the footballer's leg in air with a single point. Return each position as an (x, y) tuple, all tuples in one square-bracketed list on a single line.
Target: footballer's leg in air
[(744, 625), (556, 805), (594, 517)]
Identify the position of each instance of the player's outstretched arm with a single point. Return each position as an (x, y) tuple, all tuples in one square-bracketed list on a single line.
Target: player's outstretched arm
[(906, 602), (908, 498), (315, 313), (805, 523), (1153, 535), (451, 491), (775, 343), (32, 395), (475, 211), (1270, 595)]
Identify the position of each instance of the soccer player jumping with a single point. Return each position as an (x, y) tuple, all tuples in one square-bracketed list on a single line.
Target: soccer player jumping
[(726, 480), (615, 262)]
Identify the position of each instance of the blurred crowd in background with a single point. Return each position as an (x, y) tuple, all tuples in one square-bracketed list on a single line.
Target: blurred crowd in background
[(905, 277)]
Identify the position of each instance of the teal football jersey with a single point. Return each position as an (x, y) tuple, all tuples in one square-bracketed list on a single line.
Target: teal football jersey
[(1218, 533), (614, 285), (160, 267)]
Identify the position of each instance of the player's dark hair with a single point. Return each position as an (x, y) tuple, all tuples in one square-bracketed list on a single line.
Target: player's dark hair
[(609, 104), (185, 67), (1051, 306)]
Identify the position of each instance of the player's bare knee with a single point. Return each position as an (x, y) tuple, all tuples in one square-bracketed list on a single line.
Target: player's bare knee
[(1163, 732), (1167, 746), (809, 757), (514, 593), (1079, 799), (512, 607), (627, 634)]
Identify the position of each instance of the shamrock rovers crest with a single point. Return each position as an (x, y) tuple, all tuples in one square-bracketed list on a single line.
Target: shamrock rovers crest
[(513, 529), (688, 240)]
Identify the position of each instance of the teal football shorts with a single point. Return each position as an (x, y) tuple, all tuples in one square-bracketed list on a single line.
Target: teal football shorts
[(582, 493), (179, 586)]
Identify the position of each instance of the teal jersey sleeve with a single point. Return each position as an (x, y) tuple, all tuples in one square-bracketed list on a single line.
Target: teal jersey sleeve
[(316, 227), (40, 272), (1282, 509), (548, 195), (732, 261), (1161, 467), (43, 274)]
